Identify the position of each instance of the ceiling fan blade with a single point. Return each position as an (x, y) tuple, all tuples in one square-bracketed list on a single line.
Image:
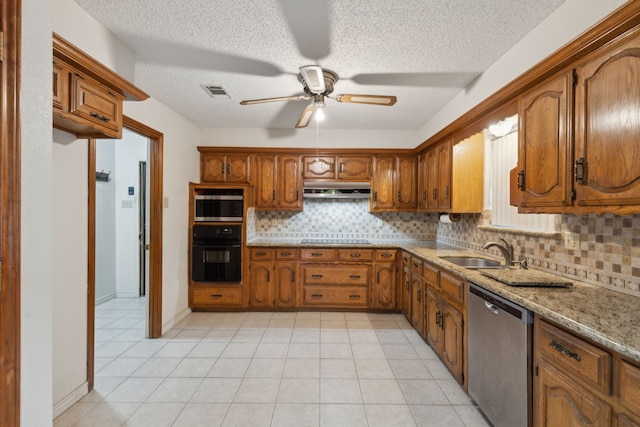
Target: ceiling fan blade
[(308, 21), (306, 116), (282, 98), (313, 78), (430, 79), (367, 99)]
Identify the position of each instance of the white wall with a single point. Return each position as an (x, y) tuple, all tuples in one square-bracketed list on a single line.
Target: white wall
[(570, 20), (105, 222), (306, 138), (70, 216), (129, 152), (36, 373)]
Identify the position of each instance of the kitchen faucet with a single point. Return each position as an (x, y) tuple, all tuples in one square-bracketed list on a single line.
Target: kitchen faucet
[(506, 250)]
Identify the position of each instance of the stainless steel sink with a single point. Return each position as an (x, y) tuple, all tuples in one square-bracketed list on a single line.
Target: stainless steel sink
[(472, 262)]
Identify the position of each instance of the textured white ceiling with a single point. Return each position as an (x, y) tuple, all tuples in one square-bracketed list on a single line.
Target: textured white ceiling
[(422, 51)]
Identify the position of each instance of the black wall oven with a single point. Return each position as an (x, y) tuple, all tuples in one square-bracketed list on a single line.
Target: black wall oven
[(216, 253), (219, 205)]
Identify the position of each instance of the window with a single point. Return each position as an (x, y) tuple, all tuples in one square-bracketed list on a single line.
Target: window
[(502, 156)]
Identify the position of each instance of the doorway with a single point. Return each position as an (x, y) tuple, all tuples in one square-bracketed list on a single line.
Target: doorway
[(154, 253)]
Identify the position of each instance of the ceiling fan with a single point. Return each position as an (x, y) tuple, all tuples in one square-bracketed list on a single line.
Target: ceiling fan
[(318, 84)]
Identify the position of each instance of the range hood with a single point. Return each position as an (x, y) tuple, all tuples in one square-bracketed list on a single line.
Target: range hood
[(336, 190)]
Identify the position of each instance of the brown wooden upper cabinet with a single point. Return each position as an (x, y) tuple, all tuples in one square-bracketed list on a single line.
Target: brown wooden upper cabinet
[(345, 168), (599, 171), (87, 96), (230, 168), (394, 183), (278, 185)]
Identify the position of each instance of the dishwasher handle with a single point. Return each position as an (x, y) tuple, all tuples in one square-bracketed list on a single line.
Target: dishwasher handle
[(492, 308)]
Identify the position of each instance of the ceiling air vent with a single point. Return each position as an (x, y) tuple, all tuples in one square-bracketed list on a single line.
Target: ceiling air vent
[(216, 91)]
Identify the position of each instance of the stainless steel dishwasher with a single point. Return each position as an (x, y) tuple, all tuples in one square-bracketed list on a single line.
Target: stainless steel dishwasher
[(499, 362)]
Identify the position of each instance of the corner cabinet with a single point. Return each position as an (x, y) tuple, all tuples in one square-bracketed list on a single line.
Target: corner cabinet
[(598, 170), (87, 96)]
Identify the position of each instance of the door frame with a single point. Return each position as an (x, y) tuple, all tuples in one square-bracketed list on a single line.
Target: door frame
[(10, 182), (154, 296)]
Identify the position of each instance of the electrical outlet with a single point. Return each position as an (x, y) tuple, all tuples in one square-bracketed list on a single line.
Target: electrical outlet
[(274, 221), (379, 222), (572, 240)]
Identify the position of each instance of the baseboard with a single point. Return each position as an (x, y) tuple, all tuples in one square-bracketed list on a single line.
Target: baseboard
[(120, 294), (105, 298), (69, 400), (171, 323)]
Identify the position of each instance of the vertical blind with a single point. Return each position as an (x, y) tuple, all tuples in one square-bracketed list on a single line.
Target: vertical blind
[(503, 158)]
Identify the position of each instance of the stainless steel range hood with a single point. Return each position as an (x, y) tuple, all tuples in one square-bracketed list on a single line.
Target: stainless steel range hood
[(336, 190)]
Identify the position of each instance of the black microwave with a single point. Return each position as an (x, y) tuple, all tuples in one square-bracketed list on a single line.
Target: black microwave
[(219, 206)]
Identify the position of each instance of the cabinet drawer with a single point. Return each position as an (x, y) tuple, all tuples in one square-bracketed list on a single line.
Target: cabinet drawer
[(335, 296), (218, 297), (431, 275), (355, 254), (336, 275), (286, 254), (318, 254), (452, 288), (386, 255), (261, 254), (406, 258), (575, 356), (416, 265), (630, 387)]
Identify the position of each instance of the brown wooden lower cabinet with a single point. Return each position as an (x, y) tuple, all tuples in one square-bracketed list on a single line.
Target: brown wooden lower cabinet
[(579, 383), (216, 296)]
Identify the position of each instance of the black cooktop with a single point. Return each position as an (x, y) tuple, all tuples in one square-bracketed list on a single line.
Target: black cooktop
[(335, 242)]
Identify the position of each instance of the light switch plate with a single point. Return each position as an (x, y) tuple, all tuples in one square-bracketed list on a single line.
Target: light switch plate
[(127, 203), (572, 240)]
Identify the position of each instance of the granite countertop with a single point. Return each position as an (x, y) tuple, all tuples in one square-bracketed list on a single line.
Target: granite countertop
[(607, 317)]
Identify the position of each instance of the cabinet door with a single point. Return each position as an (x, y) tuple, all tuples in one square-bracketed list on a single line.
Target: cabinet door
[(267, 182), (284, 284), (238, 169), (319, 167), (417, 303), (432, 179), (607, 128), (290, 181), (452, 340), (544, 159), (407, 183), (559, 401), (444, 175), (212, 167), (383, 183), (96, 104), (384, 289), (423, 181), (61, 80), (259, 284), (354, 168), (432, 313), (406, 286)]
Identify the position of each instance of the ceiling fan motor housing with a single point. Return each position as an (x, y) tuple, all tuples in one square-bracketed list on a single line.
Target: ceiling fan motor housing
[(311, 81)]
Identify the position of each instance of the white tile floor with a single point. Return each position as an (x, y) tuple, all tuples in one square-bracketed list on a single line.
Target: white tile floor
[(267, 369)]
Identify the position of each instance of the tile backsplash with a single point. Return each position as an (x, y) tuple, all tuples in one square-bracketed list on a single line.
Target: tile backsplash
[(609, 253)]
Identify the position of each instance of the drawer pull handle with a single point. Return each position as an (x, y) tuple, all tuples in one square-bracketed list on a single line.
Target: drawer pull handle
[(354, 276), (316, 295), (316, 254), (439, 318), (385, 255), (565, 350), (285, 253), (355, 255), (216, 295), (99, 117), (354, 296), (261, 253), (415, 264), (316, 276)]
